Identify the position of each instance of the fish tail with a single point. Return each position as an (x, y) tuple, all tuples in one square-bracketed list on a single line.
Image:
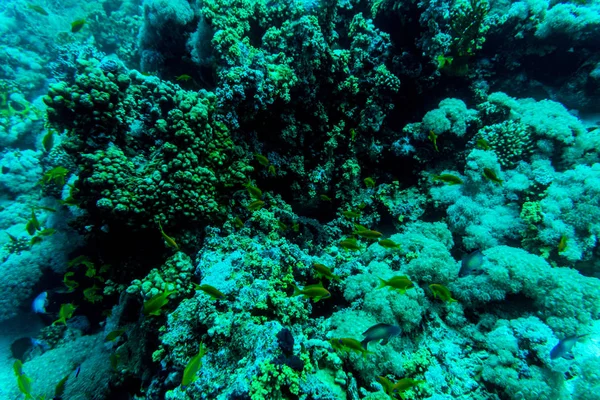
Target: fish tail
[(382, 283), (297, 291), (365, 343)]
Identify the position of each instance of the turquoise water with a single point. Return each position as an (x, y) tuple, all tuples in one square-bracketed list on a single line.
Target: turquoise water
[(317, 200)]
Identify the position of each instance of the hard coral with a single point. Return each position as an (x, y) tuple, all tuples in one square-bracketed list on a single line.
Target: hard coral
[(135, 178)]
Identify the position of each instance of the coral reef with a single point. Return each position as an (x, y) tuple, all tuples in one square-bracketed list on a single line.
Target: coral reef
[(337, 199)]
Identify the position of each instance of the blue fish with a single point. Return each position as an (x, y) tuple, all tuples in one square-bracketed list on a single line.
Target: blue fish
[(383, 332), (563, 348), (471, 264), (39, 303)]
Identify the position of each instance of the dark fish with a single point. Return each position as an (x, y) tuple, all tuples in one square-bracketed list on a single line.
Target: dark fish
[(383, 332), (77, 25), (563, 348), (37, 9), (471, 264), (77, 371)]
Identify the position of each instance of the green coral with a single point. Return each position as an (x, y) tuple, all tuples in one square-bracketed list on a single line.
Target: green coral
[(175, 274), (274, 381), (181, 174), (468, 26), (531, 213)]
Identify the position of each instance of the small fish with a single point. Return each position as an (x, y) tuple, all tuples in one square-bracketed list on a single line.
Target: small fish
[(491, 175), (296, 227), (359, 227), (388, 244), (23, 381), (30, 228), (562, 245), (351, 214), (444, 61), (324, 272), (47, 232), (114, 360), (352, 134), (77, 25), (433, 138), (350, 244), (91, 294), (18, 367), (388, 386), (13, 238), (315, 292), (114, 335), (71, 284), (401, 283), (48, 141), (564, 347), (383, 332), (238, 223), (42, 345), (190, 373), (324, 197), (345, 344), (183, 78), (35, 240), (169, 240), (37, 9), (369, 182), (406, 383), (482, 144), (77, 370), (50, 209), (69, 201), (368, 234), (441, 292), (39, 303), (271, 169), (448, 178), (59, 390), (212, 291), (262, 160), (282, 226), (35, 223), (253, 191), (471, 264), (66, 311), (154, 305), (255, 205)]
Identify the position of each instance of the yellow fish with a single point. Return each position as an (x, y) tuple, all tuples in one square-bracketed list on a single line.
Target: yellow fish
[(77, 25), (433, 138), (168, 239), (315, 292)]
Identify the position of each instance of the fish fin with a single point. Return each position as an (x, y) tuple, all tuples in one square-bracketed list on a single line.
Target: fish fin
[(365, 343), (316, 299), (568, 356), (384, 341), (382, 284), (297, 291)]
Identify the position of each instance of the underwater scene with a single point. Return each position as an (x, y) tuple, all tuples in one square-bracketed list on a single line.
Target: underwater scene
[(300, 199)]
